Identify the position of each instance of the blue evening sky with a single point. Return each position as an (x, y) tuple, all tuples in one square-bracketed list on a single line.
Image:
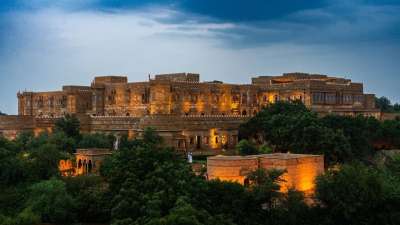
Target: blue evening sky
[(45, 44)]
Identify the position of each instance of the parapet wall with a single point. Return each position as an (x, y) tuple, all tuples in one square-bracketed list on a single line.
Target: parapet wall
[(11, 126), (390, 116), (301, 170), (179, 77)]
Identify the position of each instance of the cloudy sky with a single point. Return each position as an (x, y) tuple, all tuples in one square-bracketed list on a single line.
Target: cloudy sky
[(45, 44)]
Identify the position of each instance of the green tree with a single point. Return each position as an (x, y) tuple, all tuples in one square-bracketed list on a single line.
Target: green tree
[(146, 181), (184, 213), (244, 147), (360, 131), (62, 142), (396, 107), (383, 104), (294, 210), (357, 194), (151, 137), (390, 133), (265, 149), (290, 126), (43, 161), (92, 199), (12, 168), (26, 217), (24, 140), (235, 203), (51, 201), (97, 140), (265, 186), (69, 124), (393, 165)]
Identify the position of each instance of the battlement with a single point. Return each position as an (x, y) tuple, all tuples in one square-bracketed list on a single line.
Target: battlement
[(178, 77), (297, 77), (98, 80), (71, 88)]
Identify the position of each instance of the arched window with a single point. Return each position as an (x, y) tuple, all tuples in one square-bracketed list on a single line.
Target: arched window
[(191, 140), (84, 166), (244, 113), (246, 182), (90, 166), (264, 98)]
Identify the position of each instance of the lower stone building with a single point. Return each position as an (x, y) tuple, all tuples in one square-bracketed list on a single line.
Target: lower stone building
[(301, 169), (205, 135), (87, 161)]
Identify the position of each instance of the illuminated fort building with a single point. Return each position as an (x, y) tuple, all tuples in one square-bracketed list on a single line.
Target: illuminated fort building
[(190, 115)]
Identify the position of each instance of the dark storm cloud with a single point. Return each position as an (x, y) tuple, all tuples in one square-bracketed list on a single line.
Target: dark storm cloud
[(45, 44)]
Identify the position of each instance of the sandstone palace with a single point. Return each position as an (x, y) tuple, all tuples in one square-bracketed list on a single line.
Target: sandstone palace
[(202, 117)]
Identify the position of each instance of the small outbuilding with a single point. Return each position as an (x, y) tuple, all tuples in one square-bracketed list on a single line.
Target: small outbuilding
[(301, 169)]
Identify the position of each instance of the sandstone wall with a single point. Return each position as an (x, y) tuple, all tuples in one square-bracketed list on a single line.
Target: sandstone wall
[(301, 170)]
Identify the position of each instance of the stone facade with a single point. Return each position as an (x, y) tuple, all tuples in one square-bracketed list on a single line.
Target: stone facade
[(87, 161), (301, 170), (390, 116), (184, 94), (201, 117)]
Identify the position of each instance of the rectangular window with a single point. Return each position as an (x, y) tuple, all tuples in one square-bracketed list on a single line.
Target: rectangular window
[(206, 140), (191, 141)]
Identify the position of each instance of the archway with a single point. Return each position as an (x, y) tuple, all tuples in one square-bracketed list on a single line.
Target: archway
[(90, 166)]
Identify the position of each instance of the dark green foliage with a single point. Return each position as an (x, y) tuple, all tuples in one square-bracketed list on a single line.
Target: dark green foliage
[(390, 133), (69, 125), (26, 217), (2, 114), (291, 127), (43, 162), (265, 187), (228, 200), (96, 140), (12, 199), (92, 199), (357, 194), (63, 142), (126, 143), (393, 165), (146, 183), (385, 105), (244, 147), (12, 169), (150, 136), (293, 210), (50, 200)]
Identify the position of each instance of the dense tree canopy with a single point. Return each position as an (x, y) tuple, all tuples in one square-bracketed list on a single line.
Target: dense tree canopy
[(385, 105), (68, 125), (290, 126), (145, 182), (357, 194)]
